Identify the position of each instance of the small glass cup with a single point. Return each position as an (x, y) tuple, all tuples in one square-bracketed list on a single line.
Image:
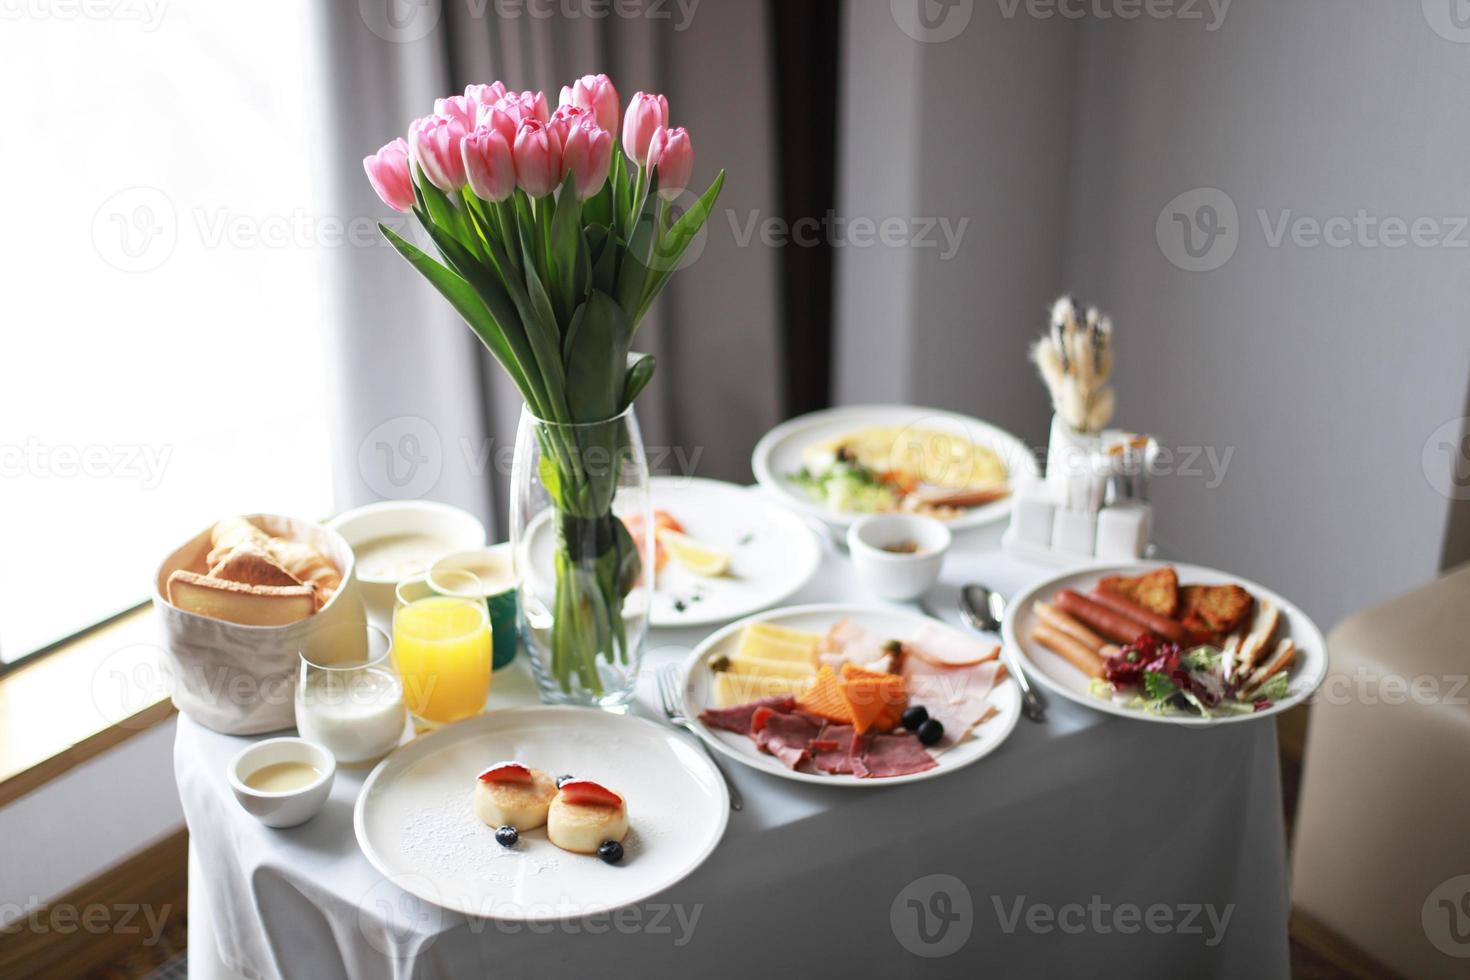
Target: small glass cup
[(442, 647), (348, 700)]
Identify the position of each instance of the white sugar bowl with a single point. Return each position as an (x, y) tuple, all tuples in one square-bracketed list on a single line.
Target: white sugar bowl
[(898, 556)]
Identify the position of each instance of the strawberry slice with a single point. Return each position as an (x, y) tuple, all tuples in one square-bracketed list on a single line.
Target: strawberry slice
[(584, 792), (506, 772)]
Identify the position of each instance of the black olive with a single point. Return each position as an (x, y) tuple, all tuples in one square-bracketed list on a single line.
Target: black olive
[(930, 731)]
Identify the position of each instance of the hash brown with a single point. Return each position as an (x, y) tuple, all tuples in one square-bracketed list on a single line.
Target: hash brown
[(1158, 591), (1213, 608)]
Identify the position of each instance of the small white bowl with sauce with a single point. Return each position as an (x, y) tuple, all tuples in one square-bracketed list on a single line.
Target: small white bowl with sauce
[(282, 782), (898, 556), (397, 540)]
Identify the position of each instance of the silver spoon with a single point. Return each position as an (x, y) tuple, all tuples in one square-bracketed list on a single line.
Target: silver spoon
[(984, 610)]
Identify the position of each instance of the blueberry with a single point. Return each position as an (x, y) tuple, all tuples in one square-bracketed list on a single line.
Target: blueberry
[(930, 731), (610, 851), (507, 836), (563, 778), (914, 716)]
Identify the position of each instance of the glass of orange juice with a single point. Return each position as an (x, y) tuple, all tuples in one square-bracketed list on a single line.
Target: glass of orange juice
[(442, 649)]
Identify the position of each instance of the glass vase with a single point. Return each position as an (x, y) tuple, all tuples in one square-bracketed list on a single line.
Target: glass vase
[(584, 593)]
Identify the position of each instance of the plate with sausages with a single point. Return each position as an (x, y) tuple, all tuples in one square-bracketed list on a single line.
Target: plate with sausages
[(1180, 644)]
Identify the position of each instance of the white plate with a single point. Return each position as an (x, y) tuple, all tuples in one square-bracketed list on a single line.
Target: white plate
[(779, 453), (1057, 675), (414, 822), (983, 740), (773, 553)]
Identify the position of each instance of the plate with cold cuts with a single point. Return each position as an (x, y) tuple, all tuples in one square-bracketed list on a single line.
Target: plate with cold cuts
[(418, 818), (825, 694)]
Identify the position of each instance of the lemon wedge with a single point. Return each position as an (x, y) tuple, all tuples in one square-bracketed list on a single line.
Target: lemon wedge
[(696, 556)]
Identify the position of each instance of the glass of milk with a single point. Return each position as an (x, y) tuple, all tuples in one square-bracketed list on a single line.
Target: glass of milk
[(348, 699)]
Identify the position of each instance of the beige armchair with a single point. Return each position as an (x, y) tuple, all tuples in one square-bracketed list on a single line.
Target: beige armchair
[(1382, 842)]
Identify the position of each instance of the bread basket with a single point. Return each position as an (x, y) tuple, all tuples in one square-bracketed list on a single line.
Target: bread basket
[(241, 680)]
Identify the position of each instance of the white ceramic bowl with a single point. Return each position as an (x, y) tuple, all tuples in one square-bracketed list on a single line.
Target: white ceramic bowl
[(898, 575), (457, 529), (292, 807)]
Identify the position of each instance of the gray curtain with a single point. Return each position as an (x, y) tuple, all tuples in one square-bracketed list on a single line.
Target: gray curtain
[(421, 409)]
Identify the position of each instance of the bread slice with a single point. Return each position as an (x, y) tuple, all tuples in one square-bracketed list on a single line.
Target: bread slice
[(236, 602), (1158, 591), (249, 564), (1213, 608)]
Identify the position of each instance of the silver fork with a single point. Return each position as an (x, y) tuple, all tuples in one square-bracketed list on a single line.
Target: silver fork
[(670, 693)]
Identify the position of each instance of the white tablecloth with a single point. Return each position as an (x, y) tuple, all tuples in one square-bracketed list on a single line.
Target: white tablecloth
[(1087, 846)]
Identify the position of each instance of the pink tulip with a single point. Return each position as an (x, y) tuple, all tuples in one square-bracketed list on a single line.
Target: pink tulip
[(460, 108), (483, 95), (537, 153), (586, 153), (671, 156), (488, 164), (596, 94), (646, 113), (433, 145), (498, 119), (521, 106), (387, 171), (567, 116)]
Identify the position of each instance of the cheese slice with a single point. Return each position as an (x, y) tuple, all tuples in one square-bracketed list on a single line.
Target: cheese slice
[(236, 602), (761, 667), (732, 689), (761, 641)]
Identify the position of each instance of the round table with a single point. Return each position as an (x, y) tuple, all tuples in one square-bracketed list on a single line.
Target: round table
[(1084, 846)]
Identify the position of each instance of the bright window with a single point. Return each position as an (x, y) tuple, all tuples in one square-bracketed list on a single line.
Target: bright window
[(161, 335)]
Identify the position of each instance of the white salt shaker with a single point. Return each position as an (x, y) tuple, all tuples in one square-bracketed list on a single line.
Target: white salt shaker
[(1032, 515), (1074, 532), (1123, 531)]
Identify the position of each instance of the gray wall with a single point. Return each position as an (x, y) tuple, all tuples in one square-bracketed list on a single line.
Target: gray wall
[(1324, 369)]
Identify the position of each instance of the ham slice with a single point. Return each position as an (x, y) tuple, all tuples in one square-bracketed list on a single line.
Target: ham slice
[(959, 697), (810, 744), (894, 755), (737, 718), (943, 647), (832, 750), (848, 643), (788, 737)]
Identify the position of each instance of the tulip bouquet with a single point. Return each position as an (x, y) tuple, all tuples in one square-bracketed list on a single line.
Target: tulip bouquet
[(553, 241)]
